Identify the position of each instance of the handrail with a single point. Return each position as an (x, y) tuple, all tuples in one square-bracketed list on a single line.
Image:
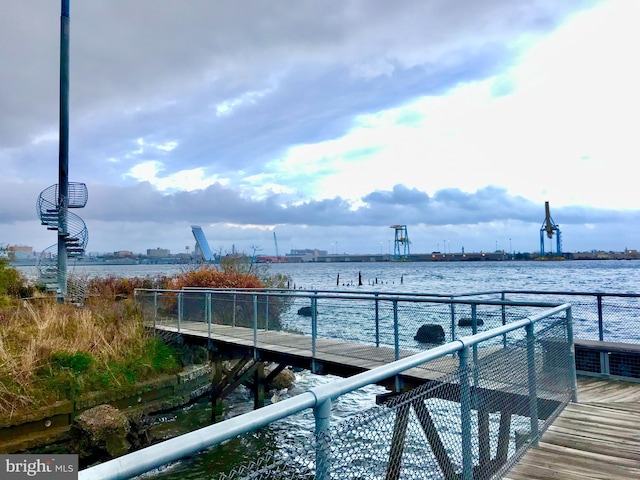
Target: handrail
[(389, 296), (318, 398)]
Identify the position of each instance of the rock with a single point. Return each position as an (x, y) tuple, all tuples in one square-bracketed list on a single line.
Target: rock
[(284, 379), (305, 311), (430, 333), (467, 322), (100, 433)]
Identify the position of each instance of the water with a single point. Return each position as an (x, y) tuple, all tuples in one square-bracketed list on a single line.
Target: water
[(616, 276), (444, 278)]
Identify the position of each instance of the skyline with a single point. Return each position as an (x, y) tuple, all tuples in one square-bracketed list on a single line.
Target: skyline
[(327, 126)]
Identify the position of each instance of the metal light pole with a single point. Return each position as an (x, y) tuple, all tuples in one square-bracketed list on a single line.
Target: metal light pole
[(63, 152)]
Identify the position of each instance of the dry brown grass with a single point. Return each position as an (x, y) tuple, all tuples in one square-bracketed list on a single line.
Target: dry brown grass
[(109, 334)]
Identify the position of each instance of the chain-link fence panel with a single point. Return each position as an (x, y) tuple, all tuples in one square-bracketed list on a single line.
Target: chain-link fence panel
[(474, 423)]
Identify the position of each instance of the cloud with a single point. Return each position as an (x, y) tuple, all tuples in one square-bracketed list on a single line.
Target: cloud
[(325, 122)]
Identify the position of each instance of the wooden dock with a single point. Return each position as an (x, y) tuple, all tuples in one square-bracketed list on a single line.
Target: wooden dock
[(336, 357), (597, 438)]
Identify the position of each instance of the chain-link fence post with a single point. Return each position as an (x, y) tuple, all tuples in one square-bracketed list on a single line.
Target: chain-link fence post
[(255, 327), (208, 314), (155, 308), (474, 330), (600, 323), (396, 343), (465, 415), (452, 307), (179, 311), (572, 357), (322, 414), (377, 321), (235, 300), (396, 332), (533, 394), (504, 318), (314, 331)]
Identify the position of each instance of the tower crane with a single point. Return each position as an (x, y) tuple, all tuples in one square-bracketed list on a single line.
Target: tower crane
[(550, 228)]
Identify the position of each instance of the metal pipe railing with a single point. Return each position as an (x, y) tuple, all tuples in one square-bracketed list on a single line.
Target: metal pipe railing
[(319, 399)]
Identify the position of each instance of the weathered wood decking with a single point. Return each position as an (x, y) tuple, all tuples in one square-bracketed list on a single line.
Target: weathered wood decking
[(333, 356), (597, 438)]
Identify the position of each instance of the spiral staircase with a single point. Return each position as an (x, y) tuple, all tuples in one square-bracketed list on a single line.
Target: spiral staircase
[(75, 237)]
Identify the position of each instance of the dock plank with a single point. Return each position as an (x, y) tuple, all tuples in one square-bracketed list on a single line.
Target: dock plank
[(595, 439)]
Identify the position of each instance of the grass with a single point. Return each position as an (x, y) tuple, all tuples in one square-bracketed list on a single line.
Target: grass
[(51, 352)]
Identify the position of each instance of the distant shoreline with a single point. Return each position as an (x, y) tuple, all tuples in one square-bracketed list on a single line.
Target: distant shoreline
[(361, 258)]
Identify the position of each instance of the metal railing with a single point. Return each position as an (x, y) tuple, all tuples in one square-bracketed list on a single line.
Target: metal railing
[(525, 383), (599, 316), (372, 318)]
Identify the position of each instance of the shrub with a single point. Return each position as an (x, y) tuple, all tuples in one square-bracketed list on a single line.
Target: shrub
[(12, 282), (112, 287)]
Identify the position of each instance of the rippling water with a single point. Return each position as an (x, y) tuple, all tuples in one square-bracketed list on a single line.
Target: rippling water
[(619, 276), (443, 278)]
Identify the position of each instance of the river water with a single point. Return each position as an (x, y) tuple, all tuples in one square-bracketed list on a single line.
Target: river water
[(442, 278), (618, 276)]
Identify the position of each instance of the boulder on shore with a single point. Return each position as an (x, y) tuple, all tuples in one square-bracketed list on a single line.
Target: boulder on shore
[(430, 333), (101, 432)]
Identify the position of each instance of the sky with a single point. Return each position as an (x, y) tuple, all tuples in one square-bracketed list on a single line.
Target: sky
[(327, 122)]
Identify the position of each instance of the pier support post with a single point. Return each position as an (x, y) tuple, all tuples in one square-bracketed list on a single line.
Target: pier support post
[(258, 386), (217, 410)]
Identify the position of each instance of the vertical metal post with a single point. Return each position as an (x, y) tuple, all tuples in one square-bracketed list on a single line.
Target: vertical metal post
[(266, 313), (255, 326), (504, 319), (377, 322), (63, 152), (465, 415), (396, 331), (179, 310), (572, 357), (235, 299), (314, 330), (533, 394), (600, 322), (474, 330), (322, 414), (396, 342), (452, 307), (208, 314), (155, 309)]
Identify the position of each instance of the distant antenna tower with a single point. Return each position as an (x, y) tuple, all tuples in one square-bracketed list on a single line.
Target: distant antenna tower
[(550, 228), (401, 244)]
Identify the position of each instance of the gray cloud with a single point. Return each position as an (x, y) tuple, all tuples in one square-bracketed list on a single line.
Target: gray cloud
[(157, 70)]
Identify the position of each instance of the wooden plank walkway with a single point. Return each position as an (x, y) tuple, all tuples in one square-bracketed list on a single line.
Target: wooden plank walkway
[(296, 349), (597, 438)]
